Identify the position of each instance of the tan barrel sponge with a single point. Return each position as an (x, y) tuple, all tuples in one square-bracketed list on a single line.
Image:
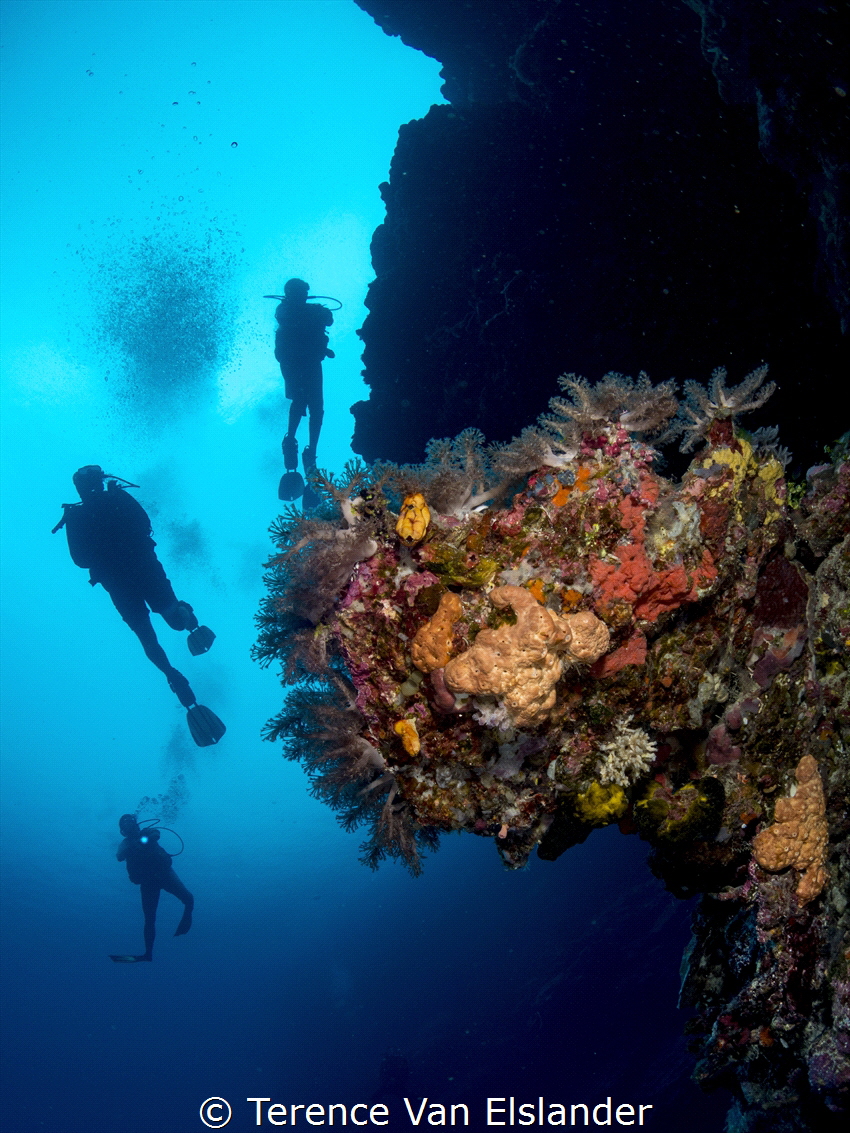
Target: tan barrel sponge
[(522, 663), (432, 645), (798, 836)]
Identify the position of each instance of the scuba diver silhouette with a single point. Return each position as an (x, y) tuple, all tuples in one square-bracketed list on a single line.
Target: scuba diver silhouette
[(149, 866), (300, 346), (109, 532)]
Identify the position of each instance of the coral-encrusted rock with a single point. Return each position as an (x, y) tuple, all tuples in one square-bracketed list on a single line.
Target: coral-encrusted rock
[(728, 658), (799, 833)]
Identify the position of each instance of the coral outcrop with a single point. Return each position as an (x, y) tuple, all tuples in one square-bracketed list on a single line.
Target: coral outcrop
[(574, 640)]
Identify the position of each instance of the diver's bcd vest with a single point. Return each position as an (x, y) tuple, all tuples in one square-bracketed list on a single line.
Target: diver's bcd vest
[(107, 529), (147, 862), (300, 335)]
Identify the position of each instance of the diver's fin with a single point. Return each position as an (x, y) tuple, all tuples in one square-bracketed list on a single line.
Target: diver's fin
[(200, 640), (130, 959), (205, 726), (291, 486)]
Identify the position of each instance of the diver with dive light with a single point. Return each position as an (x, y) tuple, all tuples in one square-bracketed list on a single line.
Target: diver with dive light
[(109, 533), (149, 866), (300, 346)]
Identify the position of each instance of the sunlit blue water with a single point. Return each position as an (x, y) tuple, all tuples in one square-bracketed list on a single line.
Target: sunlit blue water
[(167, 164)]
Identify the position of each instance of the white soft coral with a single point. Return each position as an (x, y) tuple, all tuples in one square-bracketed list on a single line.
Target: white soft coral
[(718, 402)]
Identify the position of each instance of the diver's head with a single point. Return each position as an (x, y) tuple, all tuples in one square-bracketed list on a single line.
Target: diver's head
[(88, 480), (297, 290), (128, 825)]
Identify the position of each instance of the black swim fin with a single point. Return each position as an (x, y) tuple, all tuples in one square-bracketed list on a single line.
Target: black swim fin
[(130, 959), (205, 726), (200, 640), (291, 486)]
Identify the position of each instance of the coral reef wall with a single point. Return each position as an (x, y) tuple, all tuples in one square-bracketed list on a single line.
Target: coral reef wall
[(590, 200), (529, 641)]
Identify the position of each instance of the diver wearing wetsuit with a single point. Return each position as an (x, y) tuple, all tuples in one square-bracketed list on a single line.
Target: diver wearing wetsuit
[(109, 532), (149, 867), (300, 346)]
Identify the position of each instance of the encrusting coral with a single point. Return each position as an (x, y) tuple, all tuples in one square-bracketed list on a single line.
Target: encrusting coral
[(528, 641), (799, 833)]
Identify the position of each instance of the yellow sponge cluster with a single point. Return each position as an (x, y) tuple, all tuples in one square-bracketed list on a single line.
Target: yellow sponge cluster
[(602, 805)]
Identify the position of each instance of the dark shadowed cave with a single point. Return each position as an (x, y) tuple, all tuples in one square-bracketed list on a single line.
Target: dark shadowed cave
[(611, 187)]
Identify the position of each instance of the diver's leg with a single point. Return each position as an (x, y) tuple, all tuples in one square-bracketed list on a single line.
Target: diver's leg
[(290, 445), (297, 394), (297, 409), (315, 429), (179, 615), (132, 608), (150, 901), (175, 886), (159, 595), (316, 406), (181, 688)]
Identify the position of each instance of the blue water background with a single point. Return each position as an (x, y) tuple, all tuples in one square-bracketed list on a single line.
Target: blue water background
[(125, 195)]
